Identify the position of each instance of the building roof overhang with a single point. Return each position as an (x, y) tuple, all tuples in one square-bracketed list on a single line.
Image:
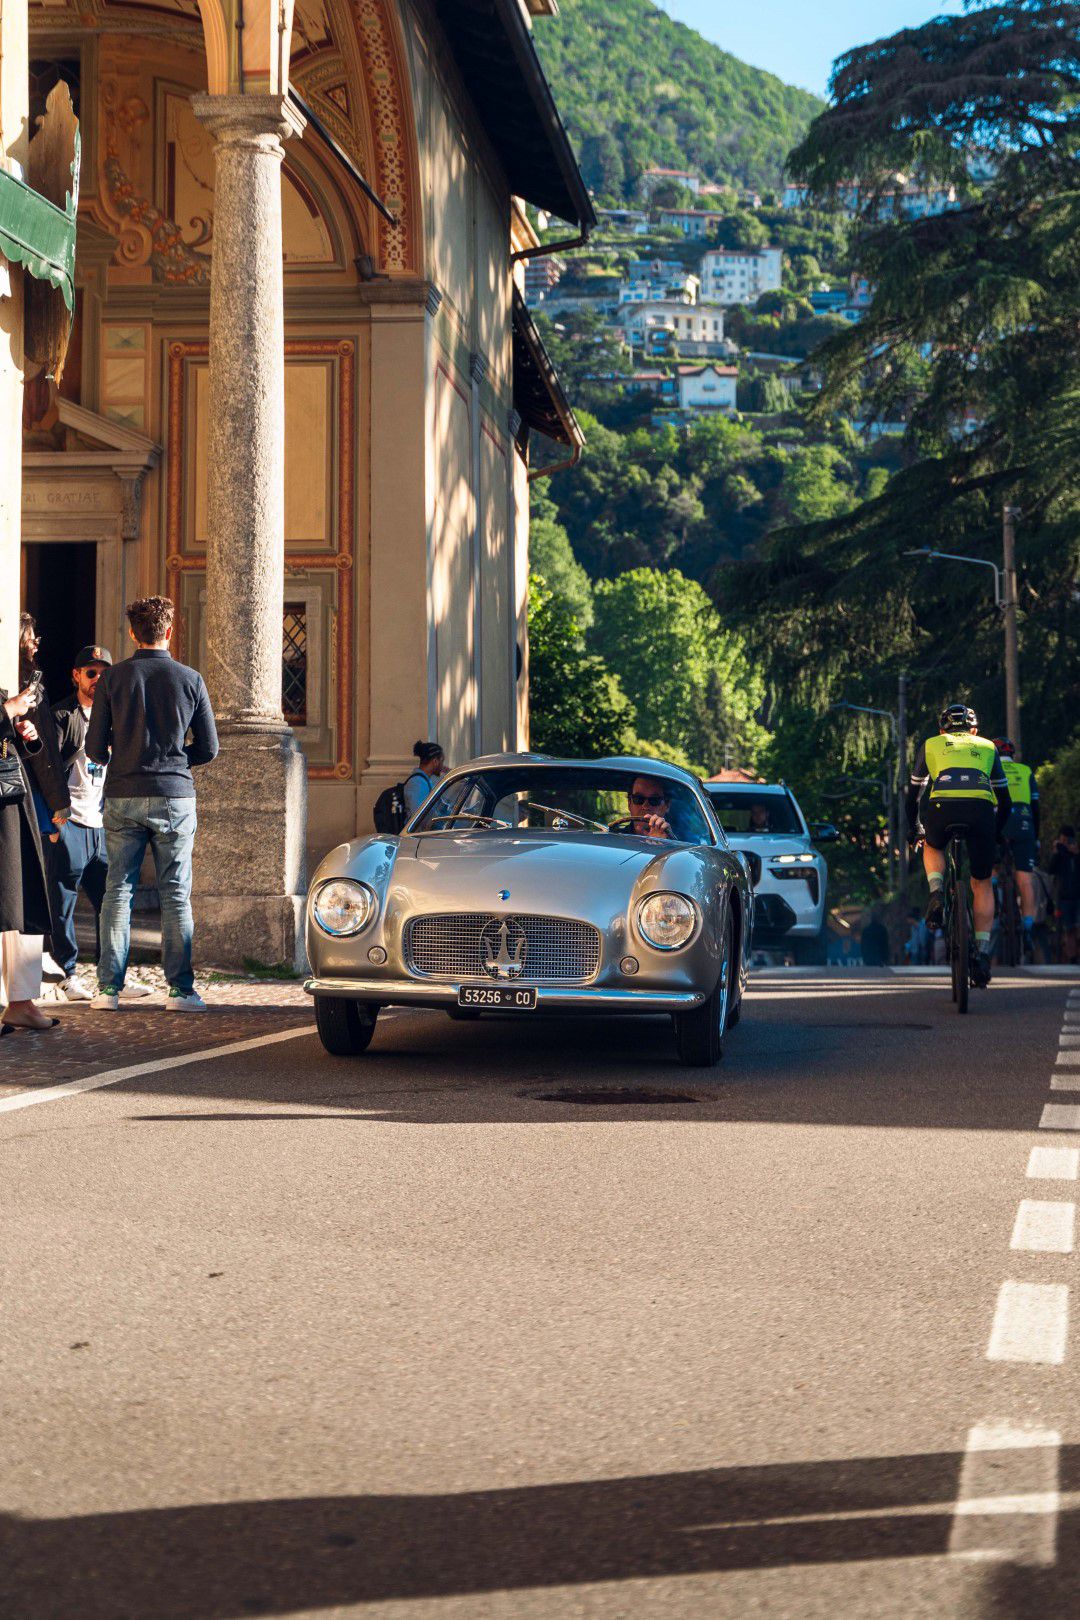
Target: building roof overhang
[(497, 60), (539, 397)]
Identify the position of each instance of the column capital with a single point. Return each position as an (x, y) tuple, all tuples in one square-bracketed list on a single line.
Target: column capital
[(243, 119)]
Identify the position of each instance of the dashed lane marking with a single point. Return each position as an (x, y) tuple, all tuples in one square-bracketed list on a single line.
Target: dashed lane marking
[(1068, 1060), (1031, 1323), (1066, 1080), (1060, 1117), (1069, 1037), (1044, 1226), (112, 1077), (1009, 1498), (1053, 1164)]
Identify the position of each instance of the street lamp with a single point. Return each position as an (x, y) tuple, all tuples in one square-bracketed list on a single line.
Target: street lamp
[(1005, 602), (892, 803)]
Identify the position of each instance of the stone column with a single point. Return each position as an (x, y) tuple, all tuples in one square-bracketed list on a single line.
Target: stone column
[(249, 876)]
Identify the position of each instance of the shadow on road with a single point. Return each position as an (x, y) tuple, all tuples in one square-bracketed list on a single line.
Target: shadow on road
[(219, 1560)]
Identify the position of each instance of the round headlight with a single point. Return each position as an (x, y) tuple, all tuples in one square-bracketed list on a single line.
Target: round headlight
[(667, 921), (343, 907)]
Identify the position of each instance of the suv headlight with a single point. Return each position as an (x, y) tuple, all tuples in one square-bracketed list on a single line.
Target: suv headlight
[(667, 921), (342, 906)]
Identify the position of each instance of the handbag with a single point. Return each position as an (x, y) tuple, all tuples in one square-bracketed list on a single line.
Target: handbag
[(12, 781)]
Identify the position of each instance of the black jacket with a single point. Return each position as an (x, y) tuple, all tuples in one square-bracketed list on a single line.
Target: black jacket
[(48, 773), (24, 904), (71, 727), (143, 711)]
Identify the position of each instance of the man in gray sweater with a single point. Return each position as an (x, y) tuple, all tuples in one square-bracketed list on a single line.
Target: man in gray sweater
[(144, 709)]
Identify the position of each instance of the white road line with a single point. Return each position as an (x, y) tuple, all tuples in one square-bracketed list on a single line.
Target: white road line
[(1054, 1164), (1060, 1117), (111, 1077), (1065, 1080), (1044, 1226), (1008, 1501), (1068, 1060), (1069, 1037), (1031, 1323)]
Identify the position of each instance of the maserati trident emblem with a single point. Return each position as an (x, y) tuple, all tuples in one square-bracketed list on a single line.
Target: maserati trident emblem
[(502, 948)]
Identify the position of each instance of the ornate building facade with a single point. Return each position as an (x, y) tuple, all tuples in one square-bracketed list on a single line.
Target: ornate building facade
[(303, 393)]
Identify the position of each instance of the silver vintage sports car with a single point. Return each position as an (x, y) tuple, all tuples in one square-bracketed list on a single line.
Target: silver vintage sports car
[(527, 885)]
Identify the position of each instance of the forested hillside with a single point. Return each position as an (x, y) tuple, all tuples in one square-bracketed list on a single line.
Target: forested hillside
[(637, 89)]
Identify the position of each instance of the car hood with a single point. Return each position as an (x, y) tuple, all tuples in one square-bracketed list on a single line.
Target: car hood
[(770, 845), (569, 876)]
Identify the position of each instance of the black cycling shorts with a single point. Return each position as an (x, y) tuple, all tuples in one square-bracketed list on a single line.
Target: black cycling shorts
[(1020, 834), (978, 818)]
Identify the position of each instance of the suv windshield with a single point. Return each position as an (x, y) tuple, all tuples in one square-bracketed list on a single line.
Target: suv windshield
[(769, 810), (580, 799)]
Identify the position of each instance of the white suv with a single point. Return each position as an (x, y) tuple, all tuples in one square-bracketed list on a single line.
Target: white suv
[(764, 818)]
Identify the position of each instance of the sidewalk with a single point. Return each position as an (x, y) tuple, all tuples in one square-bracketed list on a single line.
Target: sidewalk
[(87, 1042)]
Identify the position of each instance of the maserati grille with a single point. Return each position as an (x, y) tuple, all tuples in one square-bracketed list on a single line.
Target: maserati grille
[(472, 944)]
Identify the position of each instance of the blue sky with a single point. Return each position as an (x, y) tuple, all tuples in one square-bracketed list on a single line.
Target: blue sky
[(798, 39)]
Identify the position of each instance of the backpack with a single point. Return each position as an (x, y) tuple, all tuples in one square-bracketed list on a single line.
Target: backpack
[(389, 813)]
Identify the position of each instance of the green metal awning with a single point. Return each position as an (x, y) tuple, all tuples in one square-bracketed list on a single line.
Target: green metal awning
[(37, 234)]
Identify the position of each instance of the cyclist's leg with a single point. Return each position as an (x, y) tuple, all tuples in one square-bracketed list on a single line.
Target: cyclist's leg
[(982, 848), (935, 842)]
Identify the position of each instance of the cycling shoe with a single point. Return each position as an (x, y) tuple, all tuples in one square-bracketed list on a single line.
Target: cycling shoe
[(934, 914), (981, 970)]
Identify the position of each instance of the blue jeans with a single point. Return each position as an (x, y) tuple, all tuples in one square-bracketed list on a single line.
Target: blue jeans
[(168, 827), (76, 861)]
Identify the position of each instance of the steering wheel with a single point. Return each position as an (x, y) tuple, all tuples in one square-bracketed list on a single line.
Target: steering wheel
[(474, 820), (625, 824)]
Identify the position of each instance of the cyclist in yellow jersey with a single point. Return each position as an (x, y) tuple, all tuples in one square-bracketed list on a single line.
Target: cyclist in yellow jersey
[(1022, 832), (967, 788)]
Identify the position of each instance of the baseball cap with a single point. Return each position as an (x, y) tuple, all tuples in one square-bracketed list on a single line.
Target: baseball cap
[(92, 655)]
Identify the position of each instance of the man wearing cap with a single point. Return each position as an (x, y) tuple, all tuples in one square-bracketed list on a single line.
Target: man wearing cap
[(76, 856)]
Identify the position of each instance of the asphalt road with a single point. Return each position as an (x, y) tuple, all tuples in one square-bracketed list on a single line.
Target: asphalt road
[(419, 1333)]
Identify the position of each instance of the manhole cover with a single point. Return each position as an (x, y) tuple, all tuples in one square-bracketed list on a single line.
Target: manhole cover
[(615, 1096)]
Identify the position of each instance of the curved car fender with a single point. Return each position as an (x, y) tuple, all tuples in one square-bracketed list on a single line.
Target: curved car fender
[(367, 860), (705, 876)]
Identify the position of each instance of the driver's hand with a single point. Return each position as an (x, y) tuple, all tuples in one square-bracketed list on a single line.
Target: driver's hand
[(657, 827)]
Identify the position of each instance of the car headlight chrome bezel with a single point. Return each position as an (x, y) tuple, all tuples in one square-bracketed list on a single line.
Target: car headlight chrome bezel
[(363, 898), (683, 915)]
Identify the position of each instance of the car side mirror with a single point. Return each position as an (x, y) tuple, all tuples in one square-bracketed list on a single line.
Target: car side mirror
[(823, 832), (753, 866)]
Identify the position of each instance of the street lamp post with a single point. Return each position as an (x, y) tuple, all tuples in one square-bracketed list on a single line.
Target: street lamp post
[(1005, 602), (893, 795)]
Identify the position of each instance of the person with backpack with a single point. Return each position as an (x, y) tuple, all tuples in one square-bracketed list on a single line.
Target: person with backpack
[(398, 804)]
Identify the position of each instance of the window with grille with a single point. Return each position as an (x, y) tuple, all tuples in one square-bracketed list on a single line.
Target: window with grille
[(294, 664)]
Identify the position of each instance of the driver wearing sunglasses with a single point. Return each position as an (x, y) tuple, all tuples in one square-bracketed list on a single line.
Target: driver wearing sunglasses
[(650, 807)]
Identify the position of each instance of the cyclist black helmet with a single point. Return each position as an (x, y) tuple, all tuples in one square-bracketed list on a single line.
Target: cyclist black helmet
[(958, 717), (1005, 747)]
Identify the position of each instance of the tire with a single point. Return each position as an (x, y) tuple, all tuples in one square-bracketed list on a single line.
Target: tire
[(699, 1035), (961, 949), (345, 1027)]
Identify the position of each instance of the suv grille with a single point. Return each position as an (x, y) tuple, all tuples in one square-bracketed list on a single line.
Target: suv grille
[(450, 947)]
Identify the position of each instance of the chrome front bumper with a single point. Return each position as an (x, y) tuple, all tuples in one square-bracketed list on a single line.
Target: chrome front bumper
[(574, 998)]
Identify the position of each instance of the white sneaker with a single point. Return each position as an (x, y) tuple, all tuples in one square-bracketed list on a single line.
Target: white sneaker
[(73, 989), (135, 991), (105, 1001), (189, 1003)]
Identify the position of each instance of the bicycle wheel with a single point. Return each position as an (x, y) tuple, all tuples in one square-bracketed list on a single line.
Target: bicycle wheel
[(962, 941), (1011, 941)]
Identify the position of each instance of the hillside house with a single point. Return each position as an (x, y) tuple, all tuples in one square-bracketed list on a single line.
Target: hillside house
[(707, 388), (664, 326), (696, 224), (735, 276)]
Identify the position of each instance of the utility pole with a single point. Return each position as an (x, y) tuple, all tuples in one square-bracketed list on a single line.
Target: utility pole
[(1012, 639), (901, 749)]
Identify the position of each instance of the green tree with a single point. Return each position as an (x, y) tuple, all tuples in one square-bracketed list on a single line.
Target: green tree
[(992, 290), (551, 556), (576, 706), (689, 680), (815, 486)]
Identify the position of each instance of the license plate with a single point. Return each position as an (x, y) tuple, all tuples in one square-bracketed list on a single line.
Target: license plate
[(517, 997)]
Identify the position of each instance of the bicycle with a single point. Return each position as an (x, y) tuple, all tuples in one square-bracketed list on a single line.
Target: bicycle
[(959, 929), (1010, 929)]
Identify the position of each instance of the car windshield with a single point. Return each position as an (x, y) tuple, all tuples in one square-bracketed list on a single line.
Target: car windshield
[(768, 810), (572, 799)]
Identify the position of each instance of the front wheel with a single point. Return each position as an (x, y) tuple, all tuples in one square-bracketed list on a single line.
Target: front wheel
[(699, 1035), (345, 1027)]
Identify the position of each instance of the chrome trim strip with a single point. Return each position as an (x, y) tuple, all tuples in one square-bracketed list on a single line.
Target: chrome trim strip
[(430, 994)]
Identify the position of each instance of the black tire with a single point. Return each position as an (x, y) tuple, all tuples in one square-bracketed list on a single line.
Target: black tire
[(961, 948), (699, 1035), (345, 1027)]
